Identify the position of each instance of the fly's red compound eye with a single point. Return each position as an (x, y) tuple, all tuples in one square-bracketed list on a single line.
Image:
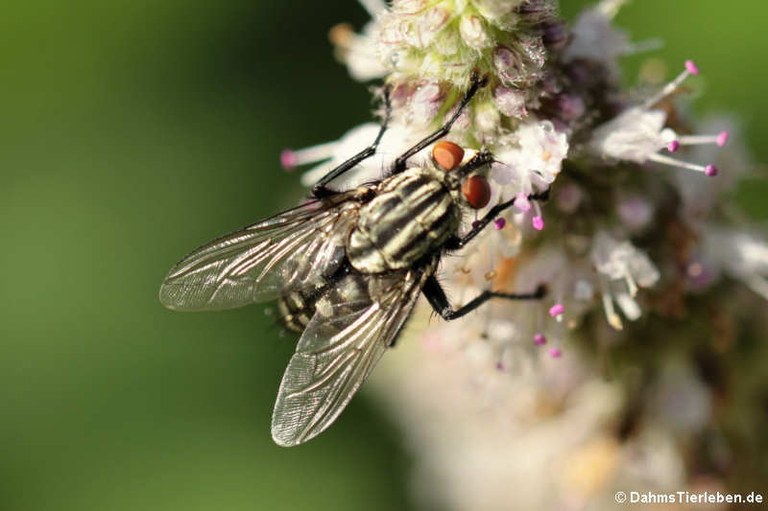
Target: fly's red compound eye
[(447, 155), (477, 191)]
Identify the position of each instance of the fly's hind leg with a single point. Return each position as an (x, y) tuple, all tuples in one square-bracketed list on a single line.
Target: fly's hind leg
[(437, 298)]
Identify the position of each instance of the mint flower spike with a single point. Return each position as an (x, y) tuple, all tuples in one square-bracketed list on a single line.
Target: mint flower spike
[(446, 40), (625, 255), (426, 50)]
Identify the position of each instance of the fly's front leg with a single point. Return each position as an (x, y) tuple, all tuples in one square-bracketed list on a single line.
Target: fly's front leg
[(479, 225), (437, 298), (320, 189), (480, 160), (400, 162)]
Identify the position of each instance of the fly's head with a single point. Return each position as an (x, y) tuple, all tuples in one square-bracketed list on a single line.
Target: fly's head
[(470, 186)]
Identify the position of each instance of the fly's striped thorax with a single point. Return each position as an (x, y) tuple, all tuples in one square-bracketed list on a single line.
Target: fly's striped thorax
[(413, 214)]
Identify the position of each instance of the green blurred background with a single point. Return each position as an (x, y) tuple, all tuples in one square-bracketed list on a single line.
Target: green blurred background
[(132, 131)]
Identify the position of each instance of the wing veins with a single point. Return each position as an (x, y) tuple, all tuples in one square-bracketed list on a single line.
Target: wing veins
[(256, 263), (345, 360)]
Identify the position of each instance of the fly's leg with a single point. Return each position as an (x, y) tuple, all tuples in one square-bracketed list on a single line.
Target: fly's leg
[(481, 159), (320, 189), (400, 162), (437, 298), (457, 243)]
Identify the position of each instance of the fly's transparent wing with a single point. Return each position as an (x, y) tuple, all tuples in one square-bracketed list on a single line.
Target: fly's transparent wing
[(287, 251), (353, 325)]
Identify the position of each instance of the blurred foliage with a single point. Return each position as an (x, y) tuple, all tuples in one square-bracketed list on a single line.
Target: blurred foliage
[(131, 132)]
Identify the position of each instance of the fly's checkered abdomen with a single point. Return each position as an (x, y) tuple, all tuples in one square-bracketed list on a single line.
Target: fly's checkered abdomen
[(297, 308), (295, 311)]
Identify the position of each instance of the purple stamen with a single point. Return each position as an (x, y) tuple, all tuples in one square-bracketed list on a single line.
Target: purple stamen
[(499, 223), (539, 340), (556, 310), (722, 139), (673, 146), (691, 67), (288, 159), (710, 170)]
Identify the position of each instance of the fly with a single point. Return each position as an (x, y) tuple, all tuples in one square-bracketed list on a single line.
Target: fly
[(346, 269)]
